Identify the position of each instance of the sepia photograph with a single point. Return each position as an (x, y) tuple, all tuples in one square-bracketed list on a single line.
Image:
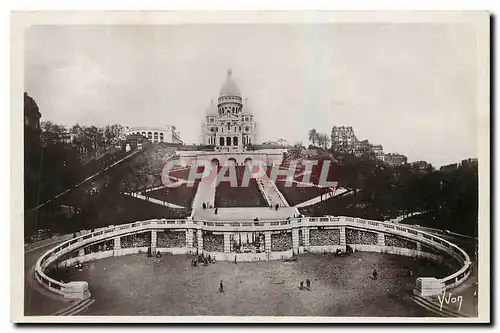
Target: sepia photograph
[(250, 166)]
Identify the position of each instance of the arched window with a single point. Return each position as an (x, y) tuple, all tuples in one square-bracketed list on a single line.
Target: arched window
[(228, 141), (150, 135), (161, 137), (221, 141), (228, 126), (235, 141)]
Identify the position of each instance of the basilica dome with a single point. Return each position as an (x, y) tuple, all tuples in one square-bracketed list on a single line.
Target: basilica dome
[(229, 88)]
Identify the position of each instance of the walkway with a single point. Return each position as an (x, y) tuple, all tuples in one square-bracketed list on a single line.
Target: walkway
[(271, 193), (155, 201), (333, 193), (204, 194), (37, 300)]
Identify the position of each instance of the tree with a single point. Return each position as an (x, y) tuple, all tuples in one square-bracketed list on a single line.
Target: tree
[(323, 140), (313, 136)]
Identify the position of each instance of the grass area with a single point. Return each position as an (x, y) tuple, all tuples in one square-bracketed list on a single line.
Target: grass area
[(227, 196), (182, 195), (461, 224), (295, 194)]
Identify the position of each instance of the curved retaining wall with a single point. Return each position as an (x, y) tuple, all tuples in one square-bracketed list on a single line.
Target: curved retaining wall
[(194, 244)]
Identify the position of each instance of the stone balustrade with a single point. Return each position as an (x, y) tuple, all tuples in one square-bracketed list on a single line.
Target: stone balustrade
[(282, 240)]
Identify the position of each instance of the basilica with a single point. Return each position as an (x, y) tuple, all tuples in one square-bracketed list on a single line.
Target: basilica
[(229, 125)]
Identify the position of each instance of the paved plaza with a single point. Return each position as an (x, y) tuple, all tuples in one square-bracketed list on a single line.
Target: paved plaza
[(137, 285)]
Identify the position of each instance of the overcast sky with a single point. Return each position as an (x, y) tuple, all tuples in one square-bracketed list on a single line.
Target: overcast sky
[(409, 87)]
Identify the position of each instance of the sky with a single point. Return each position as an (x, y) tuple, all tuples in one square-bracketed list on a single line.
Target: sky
[(409, 87)]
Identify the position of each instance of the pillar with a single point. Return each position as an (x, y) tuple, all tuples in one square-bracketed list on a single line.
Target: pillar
[(380, 239), (305, 235), (189, 239), (419, 246), (117, 246), (227, 242), (200, 240), (153, 240), (295, 241), (342, 237), (267, 241)]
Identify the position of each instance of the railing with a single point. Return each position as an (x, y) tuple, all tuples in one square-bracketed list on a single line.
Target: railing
[(114, 231)]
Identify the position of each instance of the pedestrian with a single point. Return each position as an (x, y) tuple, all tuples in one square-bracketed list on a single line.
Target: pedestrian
[(221, 287), (375, 274), (308, 284), (204, 206), (301, 285), (277, 206), (235, 259), (271, 207), (216, 210)]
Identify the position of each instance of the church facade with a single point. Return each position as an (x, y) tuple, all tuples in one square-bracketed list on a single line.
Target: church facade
[(229, 124)]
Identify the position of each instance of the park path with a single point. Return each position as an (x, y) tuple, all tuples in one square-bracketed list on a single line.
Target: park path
[(333, 192), (153, 200), (205, 193), (37, 300)]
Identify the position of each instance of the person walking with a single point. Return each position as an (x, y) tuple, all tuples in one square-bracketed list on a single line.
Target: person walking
[(375, 274), (308, 284), (301, 285), (216, 210), (221, 287), (204, 206)]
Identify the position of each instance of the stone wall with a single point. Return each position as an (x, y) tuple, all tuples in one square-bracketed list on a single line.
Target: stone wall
[(321, 237), (354, 236)]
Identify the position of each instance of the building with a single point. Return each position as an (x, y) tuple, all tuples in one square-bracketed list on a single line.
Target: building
[(469, 162), (395, 159), (135, 141), (229, 132), (464, 163), (366, 148), (343, 139), (230, 124), (362, 148), (378, 150), (422, 166), (167, 134)]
